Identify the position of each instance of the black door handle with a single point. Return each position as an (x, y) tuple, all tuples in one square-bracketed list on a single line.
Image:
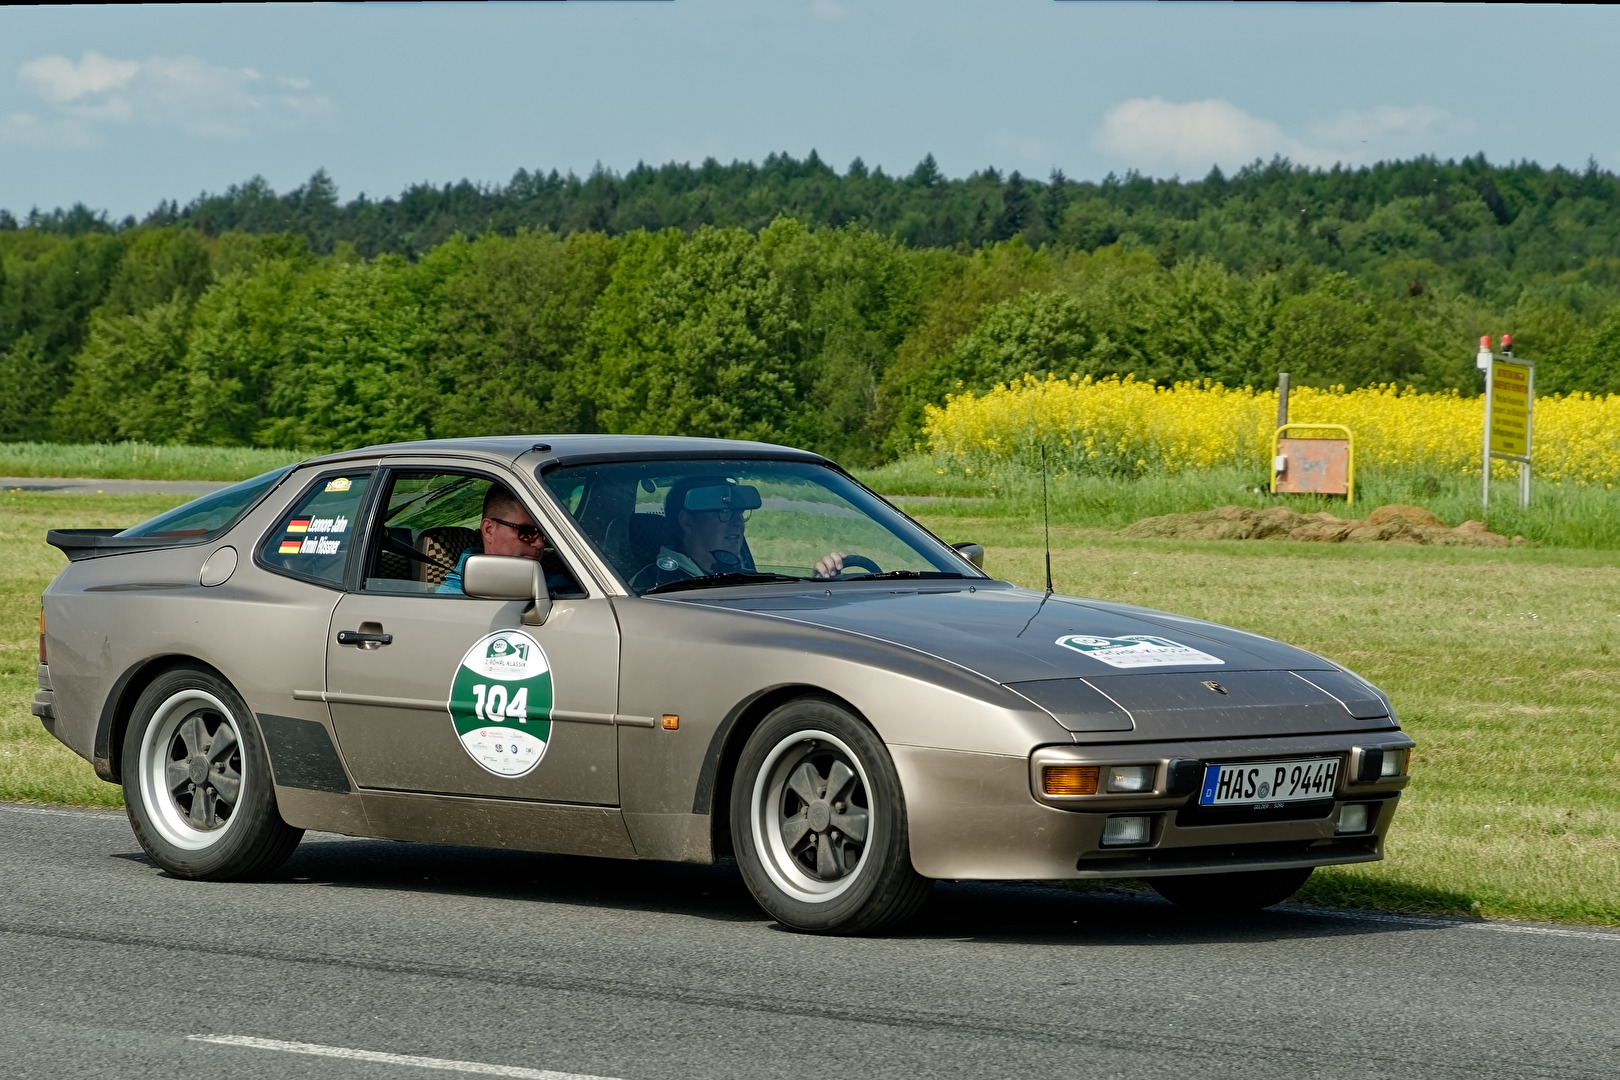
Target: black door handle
[(355, 637)]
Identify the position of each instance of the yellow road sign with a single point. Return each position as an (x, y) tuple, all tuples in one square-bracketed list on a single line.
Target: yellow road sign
[(1510, 409)]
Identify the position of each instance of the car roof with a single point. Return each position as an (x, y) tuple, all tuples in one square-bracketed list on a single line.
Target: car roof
[(574, 449)]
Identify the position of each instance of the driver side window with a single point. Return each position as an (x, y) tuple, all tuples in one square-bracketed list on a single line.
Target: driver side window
[(430, 522)]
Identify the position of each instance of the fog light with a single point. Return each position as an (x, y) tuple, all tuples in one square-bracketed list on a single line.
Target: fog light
[(1126, 831), (1124, 778), (1394, 764), (1352, 818), (1070, 779)]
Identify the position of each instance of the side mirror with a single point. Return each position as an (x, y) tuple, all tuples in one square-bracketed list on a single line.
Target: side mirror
[(507, 577), (973, 553)]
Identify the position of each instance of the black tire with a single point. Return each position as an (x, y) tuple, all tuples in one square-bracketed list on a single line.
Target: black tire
[(1247, 891), (810, 778), (197, 781)]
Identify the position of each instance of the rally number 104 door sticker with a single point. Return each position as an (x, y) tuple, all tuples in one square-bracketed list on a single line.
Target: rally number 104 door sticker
[(500, 703)]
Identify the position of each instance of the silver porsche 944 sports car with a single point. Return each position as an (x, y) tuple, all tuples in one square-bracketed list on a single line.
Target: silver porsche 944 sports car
[(684, 649)]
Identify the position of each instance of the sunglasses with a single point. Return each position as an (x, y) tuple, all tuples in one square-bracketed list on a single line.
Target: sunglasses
[(526, 533), (726, 516)]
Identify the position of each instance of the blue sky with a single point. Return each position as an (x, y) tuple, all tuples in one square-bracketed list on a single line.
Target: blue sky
[(121, 107)]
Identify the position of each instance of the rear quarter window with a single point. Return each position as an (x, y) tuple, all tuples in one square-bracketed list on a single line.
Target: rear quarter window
[(313, 538), (208, 517)]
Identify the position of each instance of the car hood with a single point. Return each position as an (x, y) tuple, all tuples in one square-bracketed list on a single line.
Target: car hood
[(1096, 666)]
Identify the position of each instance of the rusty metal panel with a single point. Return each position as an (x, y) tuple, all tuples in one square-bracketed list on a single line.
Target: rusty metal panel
[(1317, 466)]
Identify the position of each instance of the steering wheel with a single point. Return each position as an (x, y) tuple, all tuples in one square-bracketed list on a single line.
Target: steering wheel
[(860, 562)]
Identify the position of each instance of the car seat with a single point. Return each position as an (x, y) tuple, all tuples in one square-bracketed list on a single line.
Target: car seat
[(649, 531), (443, 544)]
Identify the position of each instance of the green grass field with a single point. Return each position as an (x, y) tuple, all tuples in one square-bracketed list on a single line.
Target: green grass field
[(1504, 665), (139, 461)]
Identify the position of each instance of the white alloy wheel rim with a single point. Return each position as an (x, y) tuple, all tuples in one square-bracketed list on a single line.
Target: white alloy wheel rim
[(190, 774), (811, 817)]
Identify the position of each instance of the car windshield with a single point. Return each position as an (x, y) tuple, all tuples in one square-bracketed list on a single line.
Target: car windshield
[(201, 519), (669, 525)]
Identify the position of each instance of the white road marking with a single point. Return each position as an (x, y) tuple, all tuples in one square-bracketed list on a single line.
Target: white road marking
[(80, 812), (317, 1050), (1438, 923)]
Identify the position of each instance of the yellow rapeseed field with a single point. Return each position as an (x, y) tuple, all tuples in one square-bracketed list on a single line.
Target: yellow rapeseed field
[(1123, 426)]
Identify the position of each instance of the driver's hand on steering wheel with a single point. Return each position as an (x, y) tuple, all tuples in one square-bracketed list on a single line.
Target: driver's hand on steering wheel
[(831, 565)]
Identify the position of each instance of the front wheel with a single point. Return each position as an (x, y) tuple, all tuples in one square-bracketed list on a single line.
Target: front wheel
[(1247, 891), (197, 781), (818, 823)]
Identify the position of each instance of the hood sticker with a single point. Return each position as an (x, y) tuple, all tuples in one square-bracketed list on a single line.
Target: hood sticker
[(500, 703), (1136, 650)]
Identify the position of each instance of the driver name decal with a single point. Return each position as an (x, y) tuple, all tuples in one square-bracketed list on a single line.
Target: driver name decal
[(1136, 650), (500, 703)]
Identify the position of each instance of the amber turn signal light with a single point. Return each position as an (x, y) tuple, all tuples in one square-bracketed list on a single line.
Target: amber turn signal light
[(1070, 779), (672, 722)]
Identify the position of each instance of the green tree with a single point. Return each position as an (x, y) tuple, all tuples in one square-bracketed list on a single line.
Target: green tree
[(235, 352), (28, 389), (351, 369), (126, 382), (852, 296), (509, 345), (708, 354)]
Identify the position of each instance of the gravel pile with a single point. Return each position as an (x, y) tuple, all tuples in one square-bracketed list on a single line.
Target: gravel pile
[(1394, 524)]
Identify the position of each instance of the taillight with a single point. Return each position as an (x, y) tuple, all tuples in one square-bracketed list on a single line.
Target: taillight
[(42, 635)]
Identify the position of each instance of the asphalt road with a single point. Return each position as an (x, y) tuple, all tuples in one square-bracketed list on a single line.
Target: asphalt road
[(369, 959)]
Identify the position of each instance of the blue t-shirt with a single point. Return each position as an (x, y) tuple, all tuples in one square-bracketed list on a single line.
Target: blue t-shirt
[(559, 585), (452, 580)]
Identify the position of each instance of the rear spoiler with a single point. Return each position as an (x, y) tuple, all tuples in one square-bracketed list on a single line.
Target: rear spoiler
[(79, 544)]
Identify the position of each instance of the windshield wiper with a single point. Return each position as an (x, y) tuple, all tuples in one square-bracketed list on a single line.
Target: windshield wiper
[(733, 577), (893, 575)]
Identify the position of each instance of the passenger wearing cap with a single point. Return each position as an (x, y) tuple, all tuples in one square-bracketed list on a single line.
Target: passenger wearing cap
[(705, 516), (506, 529)]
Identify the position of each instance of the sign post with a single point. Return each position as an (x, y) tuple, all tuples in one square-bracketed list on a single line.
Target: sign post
[(1510, 397)]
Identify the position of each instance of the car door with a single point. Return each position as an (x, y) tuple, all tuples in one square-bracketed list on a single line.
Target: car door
[(437, 692)]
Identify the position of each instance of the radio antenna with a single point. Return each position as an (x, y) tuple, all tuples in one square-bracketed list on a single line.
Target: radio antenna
[(1046, 520)]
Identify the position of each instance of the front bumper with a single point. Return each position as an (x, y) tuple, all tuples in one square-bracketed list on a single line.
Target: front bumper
[(976, 816)]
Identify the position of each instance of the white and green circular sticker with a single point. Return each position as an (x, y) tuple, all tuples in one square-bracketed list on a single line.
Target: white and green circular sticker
[(500, 702)]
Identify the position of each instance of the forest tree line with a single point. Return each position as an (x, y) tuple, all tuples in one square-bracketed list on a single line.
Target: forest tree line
[(785, 301)]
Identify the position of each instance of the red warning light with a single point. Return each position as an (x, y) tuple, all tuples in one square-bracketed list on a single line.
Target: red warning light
[(1485, 342), (1507, 342)]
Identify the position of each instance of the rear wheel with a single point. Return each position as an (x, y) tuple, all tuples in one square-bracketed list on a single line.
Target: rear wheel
[(197, 781), (818, 823), (1247, 891)]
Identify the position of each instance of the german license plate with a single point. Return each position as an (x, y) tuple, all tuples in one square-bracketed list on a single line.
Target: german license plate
[(1269, 783)]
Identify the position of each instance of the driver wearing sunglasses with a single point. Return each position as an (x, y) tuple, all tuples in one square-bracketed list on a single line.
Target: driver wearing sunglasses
[(506, 529)]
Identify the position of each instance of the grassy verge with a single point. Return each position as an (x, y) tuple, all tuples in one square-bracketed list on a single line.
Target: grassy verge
[(1504, 664), (139, 461), (1559, 516)]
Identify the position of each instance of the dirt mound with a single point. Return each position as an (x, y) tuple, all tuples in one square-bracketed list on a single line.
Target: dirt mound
[(1394, 524)]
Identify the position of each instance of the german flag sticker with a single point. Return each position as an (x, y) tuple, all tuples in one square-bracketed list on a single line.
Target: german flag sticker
[(291, 547), (298, 525)]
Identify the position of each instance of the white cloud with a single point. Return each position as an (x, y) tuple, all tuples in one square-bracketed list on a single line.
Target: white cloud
[(1153, 131), (181, 92), (1198, 134), (1351, 127), (58, 79)]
